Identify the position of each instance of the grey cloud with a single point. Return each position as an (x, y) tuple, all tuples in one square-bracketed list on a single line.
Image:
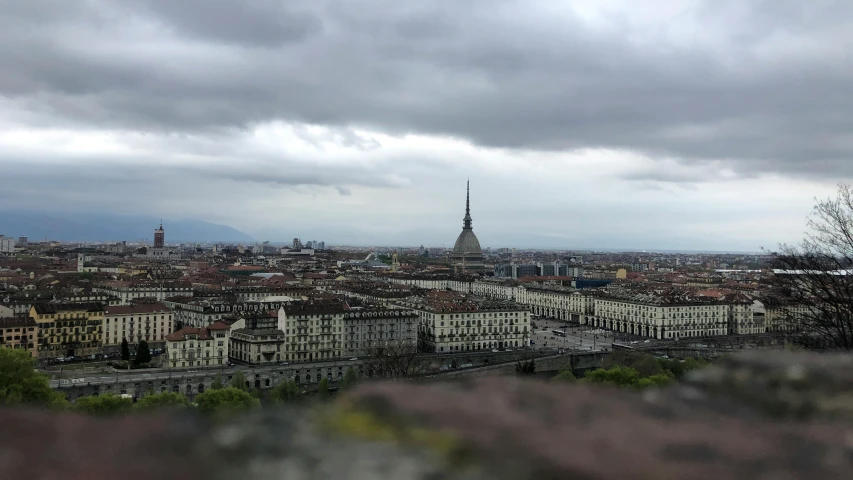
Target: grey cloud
[(258, 22), (767, 96)]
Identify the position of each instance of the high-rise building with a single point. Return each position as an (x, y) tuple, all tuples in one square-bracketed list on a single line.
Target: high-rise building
[(297, 244), (23, 241), (7, 244), (159, 237)]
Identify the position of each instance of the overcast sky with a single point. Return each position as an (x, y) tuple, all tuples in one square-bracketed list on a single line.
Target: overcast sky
[(660, 124)]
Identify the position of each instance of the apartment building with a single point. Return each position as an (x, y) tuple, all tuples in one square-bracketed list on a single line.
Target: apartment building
[(68, 329), (367, 329), (7, 244), (127, 291), (563, 303), (19, 333), (314, 330), (199, 313), (450, 322), (784, 317), (675, 315), (198, 347), (148, 321), (257, 339)]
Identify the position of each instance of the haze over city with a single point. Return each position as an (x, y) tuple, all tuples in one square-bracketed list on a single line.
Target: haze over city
[(692, 125)]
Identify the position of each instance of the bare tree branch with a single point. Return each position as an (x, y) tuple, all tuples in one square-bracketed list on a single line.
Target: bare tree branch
[(814, 281)]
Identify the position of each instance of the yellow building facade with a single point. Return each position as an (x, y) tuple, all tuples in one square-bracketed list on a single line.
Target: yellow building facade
[(70, 329)]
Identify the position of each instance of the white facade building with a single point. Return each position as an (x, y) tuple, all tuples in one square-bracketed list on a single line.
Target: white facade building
[(149, 322), (7, 244), (198, 347)]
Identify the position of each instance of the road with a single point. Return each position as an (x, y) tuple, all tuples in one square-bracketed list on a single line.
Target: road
[(578, 337), (335, 367)]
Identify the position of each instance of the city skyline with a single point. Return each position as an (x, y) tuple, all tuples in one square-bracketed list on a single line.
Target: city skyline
[(690, 125)]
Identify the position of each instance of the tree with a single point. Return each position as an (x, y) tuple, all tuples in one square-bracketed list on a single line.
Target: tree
[(647, 366), (238, 381), (106, 404), (658, 380), (323, 388), (143, 353), (619, 376), (286, 391), (565, 376), (349, 380), (225, 401), (812, 280), (125, 350), (394, 360), (162, 400), (525, 368), (691, 364), (20, 383), (217, 382)]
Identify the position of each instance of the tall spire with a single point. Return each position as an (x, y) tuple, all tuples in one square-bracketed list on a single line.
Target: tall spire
[(467, 221)]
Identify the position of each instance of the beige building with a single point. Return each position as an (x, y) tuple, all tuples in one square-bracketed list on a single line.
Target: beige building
[(313, 330), (198, 347), (68, 329), (367, 329), (675, 316), (257, 339), (19, 333), (783, 317), (148, 321), (450, 322)]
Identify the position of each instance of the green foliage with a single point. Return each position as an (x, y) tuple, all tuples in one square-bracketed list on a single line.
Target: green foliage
[(20, 383), (323, 388), (564, 376), (225, 401), (350, 379), (677, 369), (525, 368), (647, 366), (162, 400), (143, 353), (619, 376), (287, 391), (102, 405), (627, 377), (691, 364), (238, 381), (217, 382), (659, 380), (125, 350)]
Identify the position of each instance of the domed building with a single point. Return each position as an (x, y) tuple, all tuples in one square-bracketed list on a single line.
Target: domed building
[(467, 255)]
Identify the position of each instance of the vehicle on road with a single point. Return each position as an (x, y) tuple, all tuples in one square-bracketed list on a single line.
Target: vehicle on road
[(559, 333)]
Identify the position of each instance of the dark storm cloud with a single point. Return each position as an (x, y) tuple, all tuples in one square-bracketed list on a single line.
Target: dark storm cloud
[(763, 85)]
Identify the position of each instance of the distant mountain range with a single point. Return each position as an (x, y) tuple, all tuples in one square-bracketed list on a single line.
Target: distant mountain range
[(77, 227)]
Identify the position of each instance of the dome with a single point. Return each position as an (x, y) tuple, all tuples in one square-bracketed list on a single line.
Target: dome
[(467, 243)]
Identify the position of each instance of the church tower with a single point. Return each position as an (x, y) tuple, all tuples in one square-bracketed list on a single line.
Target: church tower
[(159, 237)]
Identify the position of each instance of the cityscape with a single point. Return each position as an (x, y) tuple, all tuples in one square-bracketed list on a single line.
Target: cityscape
[(311, 311), (464, 240)]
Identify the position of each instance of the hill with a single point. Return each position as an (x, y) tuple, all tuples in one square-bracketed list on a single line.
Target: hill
[(77, 227)]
